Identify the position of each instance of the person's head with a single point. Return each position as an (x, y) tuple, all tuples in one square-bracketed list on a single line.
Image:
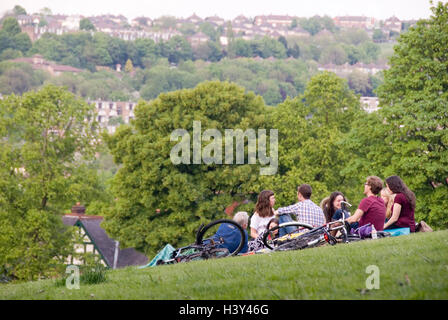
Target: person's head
[(242, 218), (387, 197), (265, 203), (373, 184), (333, 203), (396, 185), (304, 192)]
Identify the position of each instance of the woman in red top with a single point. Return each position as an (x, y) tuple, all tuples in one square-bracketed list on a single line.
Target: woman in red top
[(404, 205)]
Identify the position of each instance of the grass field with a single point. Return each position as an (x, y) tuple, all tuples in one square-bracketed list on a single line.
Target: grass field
[(410, 267)]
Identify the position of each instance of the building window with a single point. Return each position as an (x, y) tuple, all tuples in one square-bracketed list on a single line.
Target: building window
[(130, 106), (111, 106), (99, 119), (100, 105), (118, 110)]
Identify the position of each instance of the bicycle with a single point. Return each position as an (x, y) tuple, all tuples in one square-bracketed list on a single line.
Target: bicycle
[(306, 236), (209, 244)]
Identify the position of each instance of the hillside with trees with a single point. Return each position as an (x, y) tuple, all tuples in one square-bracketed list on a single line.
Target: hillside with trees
[(53, 155)]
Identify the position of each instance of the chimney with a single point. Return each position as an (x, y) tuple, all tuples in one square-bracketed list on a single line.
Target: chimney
[(78, 209)]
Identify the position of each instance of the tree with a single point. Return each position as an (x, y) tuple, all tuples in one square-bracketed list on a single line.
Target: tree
[(414, 101), (159, 202), (18, 10), (128, 66), (22, 42), (379, 35), (359, 82), (45, 11), (312, 25), (10, 26), (44, 140), (86, 24), (311, 128)]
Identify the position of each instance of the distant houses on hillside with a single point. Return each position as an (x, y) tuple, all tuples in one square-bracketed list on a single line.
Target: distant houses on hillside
[(164, 28), (111, 114)]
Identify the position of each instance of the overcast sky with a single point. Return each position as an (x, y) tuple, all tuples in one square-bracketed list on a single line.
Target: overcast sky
[(229, 9)]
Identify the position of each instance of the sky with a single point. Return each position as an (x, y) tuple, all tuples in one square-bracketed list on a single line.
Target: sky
[(229, 9)]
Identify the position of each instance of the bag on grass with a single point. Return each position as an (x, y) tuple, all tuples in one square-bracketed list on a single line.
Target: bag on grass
[(363, 232), (423, 227)]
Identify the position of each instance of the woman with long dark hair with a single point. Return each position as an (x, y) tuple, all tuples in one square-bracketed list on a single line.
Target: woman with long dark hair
[(332, 205), (264, 212), (404, 205)]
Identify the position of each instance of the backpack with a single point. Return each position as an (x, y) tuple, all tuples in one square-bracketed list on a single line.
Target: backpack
[(423, 227)]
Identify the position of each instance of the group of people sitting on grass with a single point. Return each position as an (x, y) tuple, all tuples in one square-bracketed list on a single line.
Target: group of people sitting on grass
[(385, 208)]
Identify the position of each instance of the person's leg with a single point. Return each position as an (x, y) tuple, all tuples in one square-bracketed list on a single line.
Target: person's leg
[(285, 230)]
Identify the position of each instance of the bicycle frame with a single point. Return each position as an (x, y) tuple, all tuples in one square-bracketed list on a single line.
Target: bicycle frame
[(322, 233)]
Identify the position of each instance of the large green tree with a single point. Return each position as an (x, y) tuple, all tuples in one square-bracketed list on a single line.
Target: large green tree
[(160, 202), (311, 128), (414, 100), (45, 140), (409, 135)]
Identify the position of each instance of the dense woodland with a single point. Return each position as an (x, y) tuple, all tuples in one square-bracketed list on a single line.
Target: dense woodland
[(325, 139)]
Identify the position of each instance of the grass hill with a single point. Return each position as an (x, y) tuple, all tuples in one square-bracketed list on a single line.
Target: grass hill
[(411, 267)]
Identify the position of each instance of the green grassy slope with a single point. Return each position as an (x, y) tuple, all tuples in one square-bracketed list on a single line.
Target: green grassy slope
[(411, 267)]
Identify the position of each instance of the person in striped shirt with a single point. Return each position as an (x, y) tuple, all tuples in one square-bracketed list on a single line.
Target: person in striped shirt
[(305, 210)]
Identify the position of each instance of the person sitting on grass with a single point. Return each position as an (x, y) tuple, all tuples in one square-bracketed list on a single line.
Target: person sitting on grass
[(231, 234), (371, 209), (305, 210), (264, 212), (333, 209), (403, 207)]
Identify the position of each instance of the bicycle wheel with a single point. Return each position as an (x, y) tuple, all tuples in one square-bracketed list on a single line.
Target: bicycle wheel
[(223, 233), (270, 239)]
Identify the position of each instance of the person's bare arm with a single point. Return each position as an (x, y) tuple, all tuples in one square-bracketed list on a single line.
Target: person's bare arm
[(395, 215), (253, 233), (355, 217)]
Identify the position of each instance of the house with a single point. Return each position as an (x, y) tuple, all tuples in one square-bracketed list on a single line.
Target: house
[(24, 20), (194, 19), (197, 39), (216, 20), (241, 19), (360, 22), (392, 24), (72, 22), (370, 104), (113, 110), (96, 241), (297, 32), (274, 20)]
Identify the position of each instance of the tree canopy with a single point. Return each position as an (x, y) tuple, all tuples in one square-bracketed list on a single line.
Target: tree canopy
[(41, 135), (160, 202), (409, 135)]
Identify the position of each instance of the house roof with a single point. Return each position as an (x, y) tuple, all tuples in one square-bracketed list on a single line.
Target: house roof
[(104, 244)]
